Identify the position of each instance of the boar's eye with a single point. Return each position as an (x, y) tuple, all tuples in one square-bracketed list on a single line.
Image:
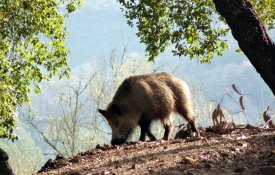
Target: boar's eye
[(116, 110)]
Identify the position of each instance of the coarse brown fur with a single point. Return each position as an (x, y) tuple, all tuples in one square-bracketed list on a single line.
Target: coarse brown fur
[(141, 99)]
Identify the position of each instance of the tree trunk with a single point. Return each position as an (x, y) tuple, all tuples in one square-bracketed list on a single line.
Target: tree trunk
[(248, 29), (5, 168)]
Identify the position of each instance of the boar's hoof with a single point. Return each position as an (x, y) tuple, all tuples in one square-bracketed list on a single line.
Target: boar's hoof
[(118, 141)]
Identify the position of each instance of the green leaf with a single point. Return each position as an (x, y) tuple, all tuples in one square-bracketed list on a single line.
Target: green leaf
[(32, 49), (239, 51), (187, 24)]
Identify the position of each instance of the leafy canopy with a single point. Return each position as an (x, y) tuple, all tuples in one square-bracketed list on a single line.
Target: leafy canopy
[(32, 49), (192, 27)]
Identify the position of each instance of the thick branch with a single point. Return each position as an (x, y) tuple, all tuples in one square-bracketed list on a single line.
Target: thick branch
[(248, 29)]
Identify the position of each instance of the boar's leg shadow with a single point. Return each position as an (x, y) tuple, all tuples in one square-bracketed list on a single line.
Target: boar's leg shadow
[(145, 129)]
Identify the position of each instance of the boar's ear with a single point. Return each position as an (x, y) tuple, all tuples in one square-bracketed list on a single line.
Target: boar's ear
[(116, 109), (102, 112)]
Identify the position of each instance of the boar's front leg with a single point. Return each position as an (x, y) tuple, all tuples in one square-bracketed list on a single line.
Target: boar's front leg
[(167, 128), (145, 130), (150, 135)]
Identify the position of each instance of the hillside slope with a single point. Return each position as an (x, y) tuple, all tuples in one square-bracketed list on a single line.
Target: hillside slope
[(243, 151)]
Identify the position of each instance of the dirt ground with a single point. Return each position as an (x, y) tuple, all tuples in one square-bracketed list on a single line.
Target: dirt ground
[(243, 151)]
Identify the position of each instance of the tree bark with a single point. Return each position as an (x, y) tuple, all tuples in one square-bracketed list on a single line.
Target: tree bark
[(5, 168), (248, 29)]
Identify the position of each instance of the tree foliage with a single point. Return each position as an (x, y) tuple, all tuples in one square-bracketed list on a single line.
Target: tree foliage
[(32, 49), (193, 27), (265, 9)]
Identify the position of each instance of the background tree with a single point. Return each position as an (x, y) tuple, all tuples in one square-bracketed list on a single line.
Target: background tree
[(73, 123), (68, 127), (197, 28), (32, 49)]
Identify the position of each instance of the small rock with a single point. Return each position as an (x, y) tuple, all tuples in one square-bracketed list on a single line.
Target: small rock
[(59, 157), (105, 173), (239, 169), (49, 164), (225, 154), (134, 166), (106, 146), (242, 137), (189, 173), (188, 160), (128, 147), (116, 147), (118, 166), (242, 144), (208, 161), (100, 151), (208, 165), (74, 160), (74, 173), (102, 148)]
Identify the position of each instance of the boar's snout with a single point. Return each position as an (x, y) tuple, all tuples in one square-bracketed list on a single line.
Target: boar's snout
[(118, 141)]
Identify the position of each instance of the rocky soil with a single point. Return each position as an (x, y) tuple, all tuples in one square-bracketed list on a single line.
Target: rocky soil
[(240, 151)]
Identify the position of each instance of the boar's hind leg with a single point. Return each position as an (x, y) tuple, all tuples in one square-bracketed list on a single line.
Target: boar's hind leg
[(167, 128), (145, 129)]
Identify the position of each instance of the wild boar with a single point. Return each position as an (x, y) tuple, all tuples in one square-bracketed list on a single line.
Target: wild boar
[(142, 99)]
